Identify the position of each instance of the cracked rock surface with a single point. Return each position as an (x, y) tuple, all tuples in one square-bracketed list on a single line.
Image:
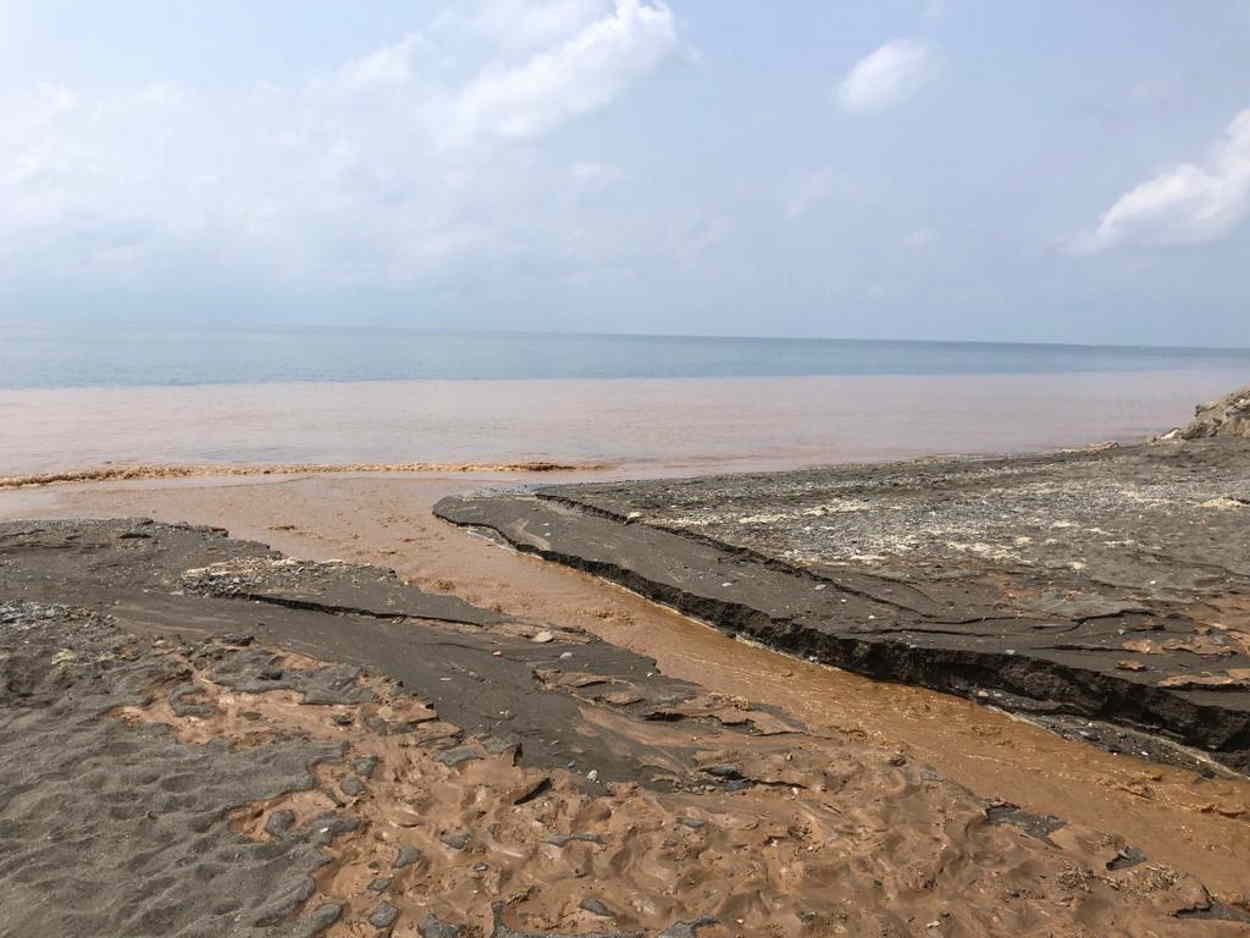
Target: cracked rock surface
[(1106, 593)]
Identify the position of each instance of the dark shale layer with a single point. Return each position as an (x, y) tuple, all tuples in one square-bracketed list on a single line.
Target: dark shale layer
[(1103, 592)]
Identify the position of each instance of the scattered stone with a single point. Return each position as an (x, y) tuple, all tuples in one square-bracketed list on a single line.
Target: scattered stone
[(541, 787), (596, 907), (342, 719), (328, 826), (279, 822), (1125, 858), (566, 655), (432, 927), (543, 637), (325, 915), (352, 786), (460, 755), (692, 823), (384, 916), (687, 929), (379, 884), (407, 857), (366, 766), (456, 841), (723, 771)]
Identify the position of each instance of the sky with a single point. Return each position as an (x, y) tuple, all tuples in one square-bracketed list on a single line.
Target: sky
[(1052, 171)]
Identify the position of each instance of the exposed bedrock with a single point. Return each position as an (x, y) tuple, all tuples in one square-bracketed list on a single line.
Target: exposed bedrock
[(1105, 586), (1226, 416)]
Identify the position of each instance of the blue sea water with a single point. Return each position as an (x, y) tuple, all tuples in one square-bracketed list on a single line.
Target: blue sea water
[(146, 356)]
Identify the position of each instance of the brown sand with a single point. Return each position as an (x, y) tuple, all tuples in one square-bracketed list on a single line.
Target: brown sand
[(835, 838), (1174, 816)]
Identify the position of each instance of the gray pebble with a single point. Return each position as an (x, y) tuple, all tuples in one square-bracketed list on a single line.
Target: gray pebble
[(364, 767), (687, 929), (279, 822), (595, 907), (432, 927), (692, 823), (380, 884), (384, 915), (352, 786), (455, 841), (324, 916), (408, 856)]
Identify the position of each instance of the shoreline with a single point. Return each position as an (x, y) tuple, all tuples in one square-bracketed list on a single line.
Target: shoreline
[(386, 520), (419, 761), (647, 426)]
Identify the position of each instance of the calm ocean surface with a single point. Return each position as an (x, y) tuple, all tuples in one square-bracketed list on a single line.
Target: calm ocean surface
[(644, 405), (132, 357)]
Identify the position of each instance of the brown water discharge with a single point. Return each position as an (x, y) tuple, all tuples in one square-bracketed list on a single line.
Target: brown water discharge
[(647, 426), (1196, 824)]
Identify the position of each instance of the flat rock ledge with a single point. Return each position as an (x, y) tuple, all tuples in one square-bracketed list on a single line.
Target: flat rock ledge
[(1103, 593)]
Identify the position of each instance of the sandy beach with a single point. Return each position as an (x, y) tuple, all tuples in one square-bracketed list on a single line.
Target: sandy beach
[(1140, 834)]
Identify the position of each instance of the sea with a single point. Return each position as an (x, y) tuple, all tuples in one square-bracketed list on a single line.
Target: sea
[(645, 404)]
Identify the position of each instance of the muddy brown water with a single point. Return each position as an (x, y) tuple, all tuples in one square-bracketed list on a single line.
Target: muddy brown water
[(1177, 817)]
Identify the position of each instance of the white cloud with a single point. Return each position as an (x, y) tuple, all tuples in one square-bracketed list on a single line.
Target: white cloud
[(391, 65), (811, 188), (595, 176), (348, 178), (582, 74), (920, 239), (888, 76), (1191, 203), (527, 24)]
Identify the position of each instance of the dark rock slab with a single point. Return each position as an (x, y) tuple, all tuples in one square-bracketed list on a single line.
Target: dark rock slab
[(197, 582), (1022, 582)]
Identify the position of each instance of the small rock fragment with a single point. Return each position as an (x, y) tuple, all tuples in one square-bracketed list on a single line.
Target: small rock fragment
[(542, 638), (384, 915), (279, 822), (457, 841), (687, 929), (352, 786), (321, 919), (380, 884), (366, 766), (595, 907), (407, 857)]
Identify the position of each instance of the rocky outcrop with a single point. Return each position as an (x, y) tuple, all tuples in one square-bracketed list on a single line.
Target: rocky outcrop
[(1228, 416)]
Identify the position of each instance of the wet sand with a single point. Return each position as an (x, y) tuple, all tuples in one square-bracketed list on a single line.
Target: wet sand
[(1171, 814), (455, 771)]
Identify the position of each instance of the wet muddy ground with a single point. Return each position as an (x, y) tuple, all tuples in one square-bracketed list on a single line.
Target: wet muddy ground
[(1177, 816), (424, 766)]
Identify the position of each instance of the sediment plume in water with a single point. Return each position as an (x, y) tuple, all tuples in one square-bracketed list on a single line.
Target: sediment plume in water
[(150, 471)]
